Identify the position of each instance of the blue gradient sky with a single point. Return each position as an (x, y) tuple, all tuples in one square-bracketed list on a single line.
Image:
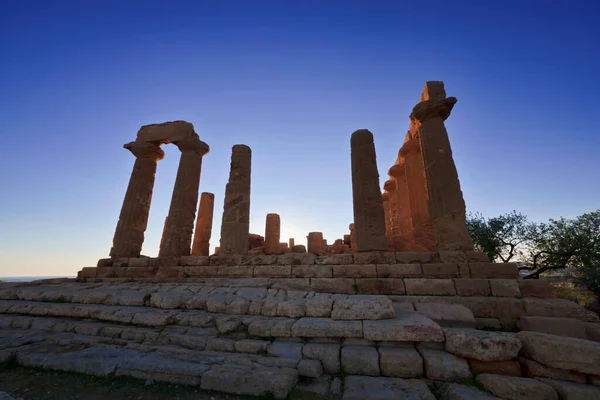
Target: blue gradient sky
[(293, 80)]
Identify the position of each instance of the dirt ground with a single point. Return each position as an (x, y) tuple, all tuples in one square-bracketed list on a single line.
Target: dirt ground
[(32, 384)]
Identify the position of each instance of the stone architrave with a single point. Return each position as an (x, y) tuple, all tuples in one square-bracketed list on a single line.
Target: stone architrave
[(272, 234), (405, 224), (182, 212), (445, 199), (369, 218), (315, 243), (423, 233), (235, 225), (291, 243), (386, 210), (394, 211), (133, 219), (352, 238), (202, 233), (162, 237)]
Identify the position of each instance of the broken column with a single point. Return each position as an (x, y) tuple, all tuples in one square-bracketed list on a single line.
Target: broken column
[(402, 202), (386, 211), (445, 200), (352, 238), (315, 242), (272, 234), (182, 212), (291, 243), (369, 218), (235, 225), (394, 214), (202, 233), (133, 219)]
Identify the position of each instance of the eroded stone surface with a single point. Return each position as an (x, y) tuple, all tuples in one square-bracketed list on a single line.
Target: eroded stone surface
[(443, 366), (362, 387), (481, 345), (455, 391), (512, 388), (362, 308)]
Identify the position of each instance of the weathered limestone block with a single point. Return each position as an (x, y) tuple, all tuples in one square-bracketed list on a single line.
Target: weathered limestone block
[(592, 331), (327, 354), (272, 234), (310, 368), (409, 327), (443, 366), (536, 288), (534, 369), (362, 308), (400, 362), (355, 271), (369, 218), (133, 219), (455, 391), (325, 327), (408, 257), (298, 249), (472, 287), (375, 286), (505, 288), (430, 286), (561, 352), (290, 350), (87, 272), (363, 387), (488, 307), (220, 344), (513, 388), (558, 308), (374, 257), (492, 270), (555, 326), (399, 271), (235, 225), (203, 231), (312, 271), (273, 271), (439, 270), (447, 315), (319, 306), (335, 259), (510, 368), (573, 391), (296, 259), (360, 360), (201, 271), (333, 285), (481, 345), (251, 346), (254, 381)]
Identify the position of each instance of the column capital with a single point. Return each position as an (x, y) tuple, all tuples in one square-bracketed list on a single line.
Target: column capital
[(389, 185), (145, 150), (413, 146), (192, 143), (429, 109), (396, 170), (351, 226)]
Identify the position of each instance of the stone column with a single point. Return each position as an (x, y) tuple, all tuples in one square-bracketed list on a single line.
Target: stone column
[(235, 226), (315, 242), (445, 199), (133, 220), (405, 225), (352, 238), (291, 243), (347, 240), (182, 213), (272, 234), (369, 217), (395, 242), (386, 211), (423, 233), (162, 237), (202, 233)]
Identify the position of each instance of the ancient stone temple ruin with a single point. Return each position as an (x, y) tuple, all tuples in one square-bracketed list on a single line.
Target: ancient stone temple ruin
[(399, 307)]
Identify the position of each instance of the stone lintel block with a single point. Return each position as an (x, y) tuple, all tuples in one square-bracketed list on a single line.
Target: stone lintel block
[(380, 286), (226, 259), (312, 271), (472, 287), (505, 288), (296, 259), (355, 271), (375, 257), (508, 367), (245, 271), (88, 272), (400, 362), (201, 271), (168, 261), (360, 360), (570, 327), (536, 288), (141, 262), (334, 285), (335, 259), (259, 259), (399, 271), (273, 271), (411, 257), (141, 273), (194, 261), (437, 287), (170, 273), (492, 270), (440, 270), (105, 262)]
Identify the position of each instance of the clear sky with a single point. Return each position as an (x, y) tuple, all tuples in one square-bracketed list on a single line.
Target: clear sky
[(291, 79)]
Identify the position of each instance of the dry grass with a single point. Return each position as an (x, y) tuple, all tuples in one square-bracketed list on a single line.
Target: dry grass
[(569, 291)]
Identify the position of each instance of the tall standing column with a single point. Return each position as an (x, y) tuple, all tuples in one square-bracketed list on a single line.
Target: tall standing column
[(315, 243), (202, 233), (369, 218), (395, 240), (386, 211), (182, 212), (236, 210), (423, 233), (162, 237), (405, 225), (445, 199), (133, 220), (272, 234)]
